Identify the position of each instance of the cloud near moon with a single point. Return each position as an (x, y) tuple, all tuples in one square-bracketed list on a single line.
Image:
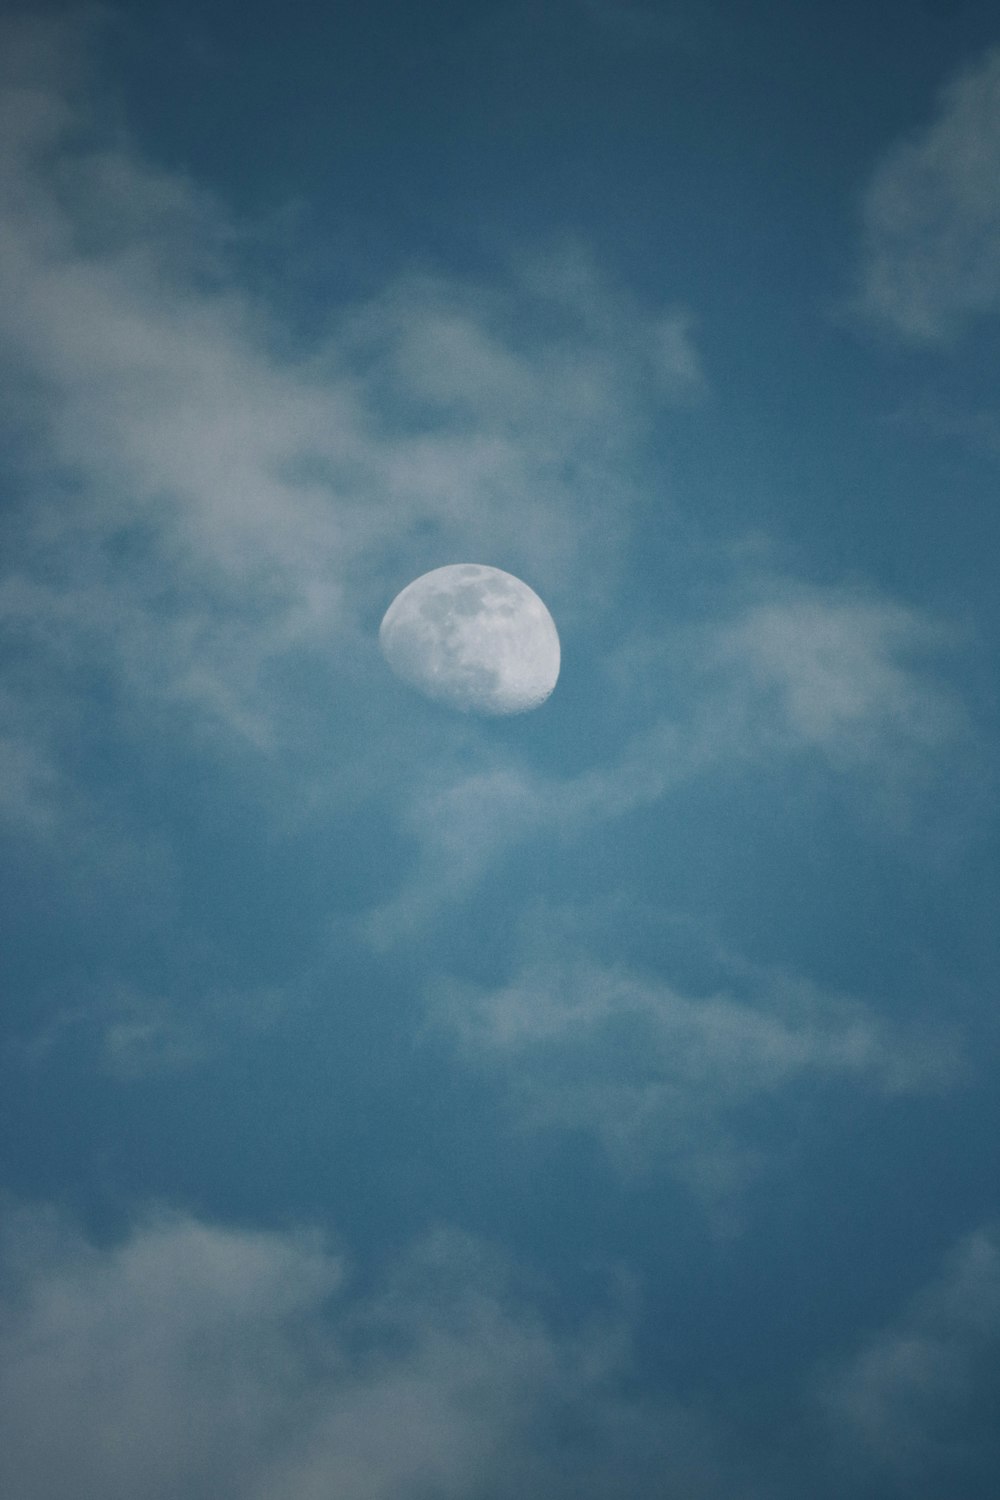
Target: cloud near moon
[(474, 638)]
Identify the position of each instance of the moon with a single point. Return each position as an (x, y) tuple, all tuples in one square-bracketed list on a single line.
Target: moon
[(474, 638)]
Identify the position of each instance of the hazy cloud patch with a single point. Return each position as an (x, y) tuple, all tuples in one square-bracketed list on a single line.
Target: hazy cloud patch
[(206, 500), (224, 1363), (30, 784), (932, 216), (917, 1402), (166, 1364), (668, 1080), (849, 673), (235, 1364), (132, 1034), (460, 827), (785, 674)]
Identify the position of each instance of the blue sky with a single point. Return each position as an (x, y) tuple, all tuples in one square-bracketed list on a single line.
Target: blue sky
[(594, 1103)]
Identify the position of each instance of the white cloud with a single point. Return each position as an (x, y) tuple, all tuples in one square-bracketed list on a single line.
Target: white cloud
[(201, 499), (133, 1034), (667, 1080), (30, 784), (461, 827), (918, 1400), (210, 1362), (204, 504), (932, 216), (846, 680), (235, 1364), (793, 671), (161, 1367), (840, 671)]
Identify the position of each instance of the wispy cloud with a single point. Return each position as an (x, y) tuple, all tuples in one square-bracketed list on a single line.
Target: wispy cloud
[(666, 1079), (164, 1365), (461, 827), (206, 495), (844, 682), (30, 783), (932, 216), (916, 1402), (844, 672), (197, 1359), (190, 1357), (131, 1034), (785, 673)]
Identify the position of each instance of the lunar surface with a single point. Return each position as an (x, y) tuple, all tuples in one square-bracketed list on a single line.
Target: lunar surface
[(474, 638)]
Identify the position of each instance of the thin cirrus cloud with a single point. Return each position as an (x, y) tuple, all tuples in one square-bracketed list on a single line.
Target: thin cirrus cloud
[(131, 1033), (855, 675), (662, 1079), (931, 216), (783, 667), (849, 678)]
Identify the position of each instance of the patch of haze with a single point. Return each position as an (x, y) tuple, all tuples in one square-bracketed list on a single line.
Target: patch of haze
[(931, 215), (663, 1080), (916, 1403)]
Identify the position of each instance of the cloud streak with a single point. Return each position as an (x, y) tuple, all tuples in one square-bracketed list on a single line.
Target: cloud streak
[(843, 672), (786, 674), (667, 1080)]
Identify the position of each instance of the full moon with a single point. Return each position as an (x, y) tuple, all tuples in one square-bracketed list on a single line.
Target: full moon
[(474, 638)]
